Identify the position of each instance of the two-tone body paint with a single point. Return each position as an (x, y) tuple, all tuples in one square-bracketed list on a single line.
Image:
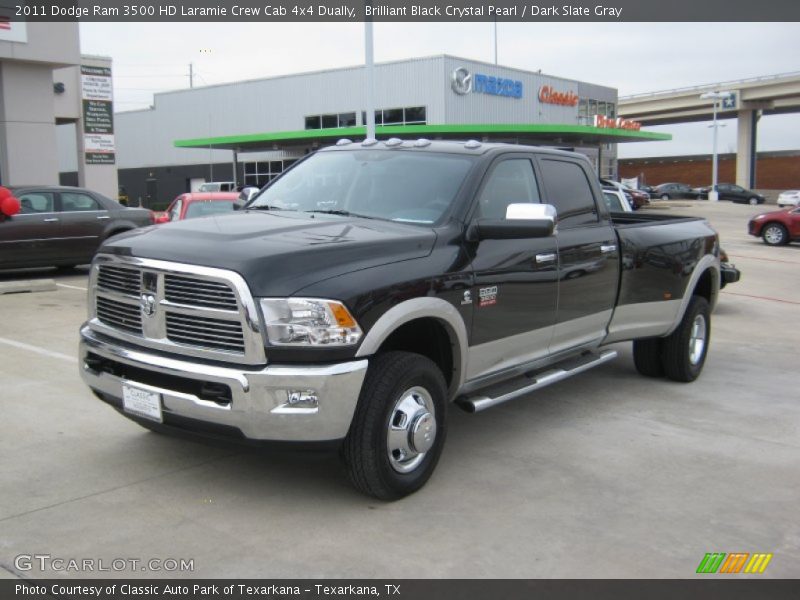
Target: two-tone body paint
[(608, 282)]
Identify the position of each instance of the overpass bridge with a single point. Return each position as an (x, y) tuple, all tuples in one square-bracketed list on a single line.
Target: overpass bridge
[(749, 99)]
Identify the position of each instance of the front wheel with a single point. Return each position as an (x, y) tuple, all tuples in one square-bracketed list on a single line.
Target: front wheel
[(398, 429), (685, 349), (752, 201), (664, 196), (775, 234)]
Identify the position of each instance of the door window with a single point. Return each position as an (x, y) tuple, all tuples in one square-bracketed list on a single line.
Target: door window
[(74, 202), (511, 182), (175, 213), (35, 202), (570, 192)]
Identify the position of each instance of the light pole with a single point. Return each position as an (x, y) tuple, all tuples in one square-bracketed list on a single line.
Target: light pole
[(717, 96)]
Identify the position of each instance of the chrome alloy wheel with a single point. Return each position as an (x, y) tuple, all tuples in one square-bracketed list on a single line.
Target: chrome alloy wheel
[(773, 234), (697, 340), (411, 430)]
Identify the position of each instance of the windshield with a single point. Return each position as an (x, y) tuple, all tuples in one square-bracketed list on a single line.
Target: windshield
[(408, 187), (202, 209)]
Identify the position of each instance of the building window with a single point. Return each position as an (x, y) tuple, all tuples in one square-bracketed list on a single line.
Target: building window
[(331, 121), (415, 115), (393, 116), (588, 108), (261, 173), (410, 115)]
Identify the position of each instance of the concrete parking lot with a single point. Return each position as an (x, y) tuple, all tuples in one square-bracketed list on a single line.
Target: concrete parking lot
[(608, 474)]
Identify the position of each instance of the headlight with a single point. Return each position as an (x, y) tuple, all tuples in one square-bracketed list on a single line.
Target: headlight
[(309, 322)]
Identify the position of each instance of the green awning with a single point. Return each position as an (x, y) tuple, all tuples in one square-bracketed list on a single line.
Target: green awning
[(559, 135)]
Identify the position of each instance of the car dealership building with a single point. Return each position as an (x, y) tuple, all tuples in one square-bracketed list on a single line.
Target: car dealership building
[(250, 131)]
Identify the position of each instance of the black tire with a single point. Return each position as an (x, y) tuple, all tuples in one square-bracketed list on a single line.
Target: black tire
[(665, 196), (752, 201), (682, 359), (775, 234), (647, 356), (391, 377)]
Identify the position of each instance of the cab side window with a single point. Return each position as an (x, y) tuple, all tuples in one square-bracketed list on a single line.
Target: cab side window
[(35, 202), (73, 202), (569, 191), (510, 182)]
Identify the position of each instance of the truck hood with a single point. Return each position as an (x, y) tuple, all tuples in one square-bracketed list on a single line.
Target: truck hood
[(278, 252)]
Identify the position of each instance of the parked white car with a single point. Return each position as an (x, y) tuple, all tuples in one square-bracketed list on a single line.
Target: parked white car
[(616, 200), (789, 198)]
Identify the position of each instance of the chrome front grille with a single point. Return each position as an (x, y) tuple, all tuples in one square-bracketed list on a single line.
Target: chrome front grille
[(212, 294), (122, 316), (195, 311), (206, 333), (120, 279)]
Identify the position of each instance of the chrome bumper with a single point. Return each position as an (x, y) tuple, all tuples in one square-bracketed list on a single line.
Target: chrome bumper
[(259, 407)]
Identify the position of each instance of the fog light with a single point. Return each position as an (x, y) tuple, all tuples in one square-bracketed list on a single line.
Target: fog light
[(298, 402), (304, 399)]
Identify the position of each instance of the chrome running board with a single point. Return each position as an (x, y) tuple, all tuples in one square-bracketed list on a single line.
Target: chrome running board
[(534, 381)]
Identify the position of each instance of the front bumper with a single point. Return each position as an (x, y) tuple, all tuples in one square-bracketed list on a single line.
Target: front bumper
[(256, 406)]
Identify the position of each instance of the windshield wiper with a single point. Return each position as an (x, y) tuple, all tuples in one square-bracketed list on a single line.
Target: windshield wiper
[(341, 213), (265, 207)]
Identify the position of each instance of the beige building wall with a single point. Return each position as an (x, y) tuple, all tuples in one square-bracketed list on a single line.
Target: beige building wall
[(34, 58)]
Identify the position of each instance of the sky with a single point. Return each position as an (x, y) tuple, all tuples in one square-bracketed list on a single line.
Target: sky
[(632, 57)]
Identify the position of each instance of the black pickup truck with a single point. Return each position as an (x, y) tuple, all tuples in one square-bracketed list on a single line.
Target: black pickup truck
[(373, 284)]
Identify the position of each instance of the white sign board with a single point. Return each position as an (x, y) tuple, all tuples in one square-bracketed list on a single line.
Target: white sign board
[(13, 31), (97, 95)]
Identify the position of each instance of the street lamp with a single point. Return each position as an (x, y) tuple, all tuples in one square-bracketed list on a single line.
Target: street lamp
[(713, 195)]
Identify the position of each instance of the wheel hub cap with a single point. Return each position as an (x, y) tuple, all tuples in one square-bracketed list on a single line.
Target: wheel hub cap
[(697, 340), (411, 430), (423, 433), (774, 235)]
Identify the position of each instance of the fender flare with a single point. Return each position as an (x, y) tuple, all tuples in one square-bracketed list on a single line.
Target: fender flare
[(708, 262), (422, 308)]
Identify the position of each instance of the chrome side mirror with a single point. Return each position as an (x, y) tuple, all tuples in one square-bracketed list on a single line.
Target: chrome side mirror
[(530, 212)]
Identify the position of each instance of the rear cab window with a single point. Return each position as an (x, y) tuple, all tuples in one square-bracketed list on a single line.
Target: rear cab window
[(568, 189)]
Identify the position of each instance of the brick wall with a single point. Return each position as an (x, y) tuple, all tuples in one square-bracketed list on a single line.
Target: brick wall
[(780, 172)]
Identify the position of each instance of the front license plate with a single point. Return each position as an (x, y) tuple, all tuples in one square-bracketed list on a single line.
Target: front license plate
[(141, 402)]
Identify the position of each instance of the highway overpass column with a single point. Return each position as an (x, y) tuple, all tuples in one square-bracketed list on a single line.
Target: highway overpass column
[(746, 148)]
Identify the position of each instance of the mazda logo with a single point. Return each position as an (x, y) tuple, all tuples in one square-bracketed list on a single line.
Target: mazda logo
[(461, 81), (148, 304)]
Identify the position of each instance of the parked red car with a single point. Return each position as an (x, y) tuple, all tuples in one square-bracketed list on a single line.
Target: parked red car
[(776, 228), (199, 204)]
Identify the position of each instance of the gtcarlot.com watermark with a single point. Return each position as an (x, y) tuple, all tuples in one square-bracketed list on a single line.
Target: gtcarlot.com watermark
[(48, 562)]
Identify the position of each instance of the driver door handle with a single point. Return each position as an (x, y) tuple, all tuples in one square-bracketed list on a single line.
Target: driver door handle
[(543, 258), (51, 220)]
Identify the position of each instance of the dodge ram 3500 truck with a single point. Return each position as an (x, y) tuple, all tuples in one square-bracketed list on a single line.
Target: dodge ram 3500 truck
[(373, 284)]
